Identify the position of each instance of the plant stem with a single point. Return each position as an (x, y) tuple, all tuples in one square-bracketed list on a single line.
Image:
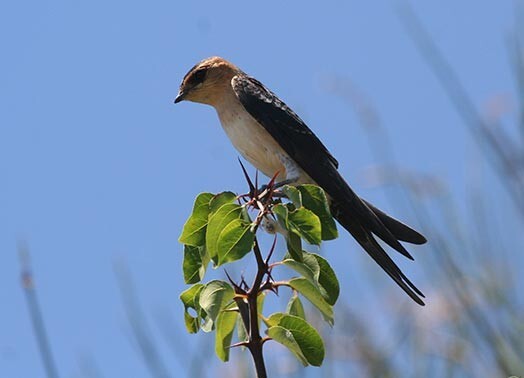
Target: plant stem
[(255, 340)]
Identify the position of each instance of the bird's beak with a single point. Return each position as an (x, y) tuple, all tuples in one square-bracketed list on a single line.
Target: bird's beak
[(180, 96)]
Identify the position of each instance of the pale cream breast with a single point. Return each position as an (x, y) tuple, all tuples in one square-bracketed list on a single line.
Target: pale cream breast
[(253, 142)]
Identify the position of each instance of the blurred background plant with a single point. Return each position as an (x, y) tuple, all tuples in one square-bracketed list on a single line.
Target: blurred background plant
[(476, 326), (478, 330)]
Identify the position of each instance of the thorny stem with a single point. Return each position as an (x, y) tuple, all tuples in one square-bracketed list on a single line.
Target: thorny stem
[(248, 304), (255, 340), (273, 285), (247, 298)]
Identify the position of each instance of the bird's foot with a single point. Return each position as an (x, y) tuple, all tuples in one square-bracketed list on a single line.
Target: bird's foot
[(276, 185)]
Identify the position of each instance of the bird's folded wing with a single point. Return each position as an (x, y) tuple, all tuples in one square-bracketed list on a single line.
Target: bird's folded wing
[(299, 142)]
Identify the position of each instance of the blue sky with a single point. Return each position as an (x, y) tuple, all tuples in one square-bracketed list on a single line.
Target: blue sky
[(98, 166)]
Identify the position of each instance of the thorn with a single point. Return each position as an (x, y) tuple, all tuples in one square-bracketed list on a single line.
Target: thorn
[(244, 197), (260, 205), (272, 181), (241, 343), (264, 339), (269, 286), (271, 250), (243, 282), (229, 278), (270, 187), (238, 289), (263, 193), (269, 276), (252, 189)]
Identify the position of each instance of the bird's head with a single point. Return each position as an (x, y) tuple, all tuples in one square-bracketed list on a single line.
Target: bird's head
[(206, 81)]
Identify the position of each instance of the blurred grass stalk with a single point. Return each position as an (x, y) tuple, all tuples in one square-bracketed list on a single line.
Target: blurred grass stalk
[(190, 357), (35, 313), (480, 331), (137, 319), (504, 152)]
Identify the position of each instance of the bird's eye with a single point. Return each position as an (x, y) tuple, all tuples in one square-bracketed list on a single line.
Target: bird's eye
[(198, 76)]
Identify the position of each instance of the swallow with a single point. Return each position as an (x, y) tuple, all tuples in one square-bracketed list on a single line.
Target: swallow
[(273, 138)]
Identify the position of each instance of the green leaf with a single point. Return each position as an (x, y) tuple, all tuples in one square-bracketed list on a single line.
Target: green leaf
[(293, 194), (294, 307), (314, 199), (294, 246), (318, 271), (194, 230), (235, 241), (260, 305), (190, 299), (221, 199), (260, 301), (195, 263), (274, 319), (328, 280), (300, 338), (225, 327), (306, 224), (214, 297), (217, 222), (308, 268), (286, 338), (241, 330), (282, 214), (313, 294)]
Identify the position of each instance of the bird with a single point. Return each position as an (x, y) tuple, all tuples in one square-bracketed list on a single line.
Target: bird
[(273, 138)]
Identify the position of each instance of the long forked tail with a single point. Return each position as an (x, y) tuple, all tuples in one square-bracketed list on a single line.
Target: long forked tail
[(365, 238), (400, 230)]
